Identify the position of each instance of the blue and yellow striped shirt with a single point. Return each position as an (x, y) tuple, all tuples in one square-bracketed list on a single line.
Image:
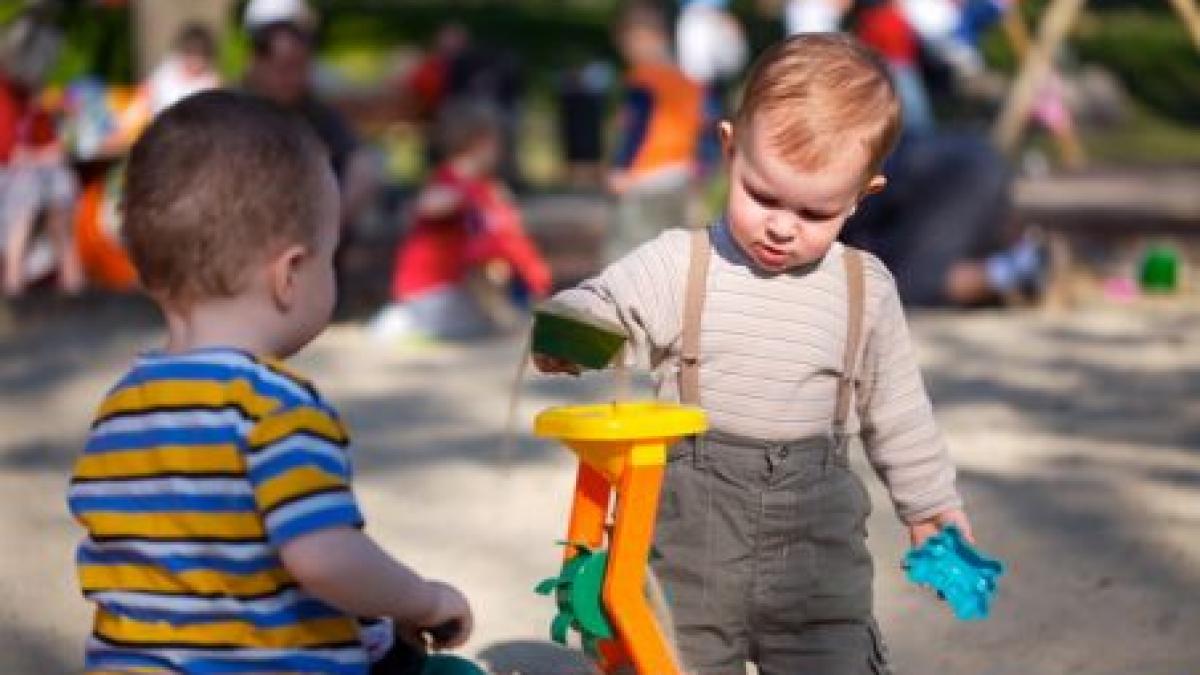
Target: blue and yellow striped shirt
[(198, 468)]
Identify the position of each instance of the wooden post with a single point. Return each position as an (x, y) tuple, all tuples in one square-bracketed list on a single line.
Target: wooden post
[(1059, 18), (1189, 14), (1070, 149)]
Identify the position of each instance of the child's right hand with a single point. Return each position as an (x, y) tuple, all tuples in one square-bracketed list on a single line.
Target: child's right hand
[(451, 622), (552, 364)]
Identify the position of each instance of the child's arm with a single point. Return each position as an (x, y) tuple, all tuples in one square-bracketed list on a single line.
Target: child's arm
[(643, 292), (297, 466), (346, 569), (901, 437)]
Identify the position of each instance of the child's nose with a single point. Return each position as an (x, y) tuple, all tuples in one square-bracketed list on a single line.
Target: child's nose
[(781, 227)]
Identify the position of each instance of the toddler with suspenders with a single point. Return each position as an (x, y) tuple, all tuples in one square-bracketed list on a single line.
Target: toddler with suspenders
[(792, 343)]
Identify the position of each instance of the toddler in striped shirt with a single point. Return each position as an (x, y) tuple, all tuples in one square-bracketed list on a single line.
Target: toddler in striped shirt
[(222, 533)]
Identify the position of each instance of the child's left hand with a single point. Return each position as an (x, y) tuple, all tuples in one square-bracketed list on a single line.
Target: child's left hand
[(919, 532)]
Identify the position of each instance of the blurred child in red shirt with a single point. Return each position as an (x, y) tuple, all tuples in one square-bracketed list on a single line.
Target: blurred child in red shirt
[(34, 181), (466, 267)]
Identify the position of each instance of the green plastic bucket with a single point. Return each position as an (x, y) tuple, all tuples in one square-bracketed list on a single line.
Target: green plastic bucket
[(568, 334)]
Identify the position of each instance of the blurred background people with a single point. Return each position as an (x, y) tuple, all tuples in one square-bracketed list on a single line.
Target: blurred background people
[(881, 25), (281, 70), (37, 187), (814, 16), (945, 225), (712, 52), (426, 85), (491, 71), (189, 68), (466, 267), (660, 123), (583, 91)]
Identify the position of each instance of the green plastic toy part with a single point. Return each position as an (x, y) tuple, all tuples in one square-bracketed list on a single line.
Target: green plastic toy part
[(568, 334), (577, 592)]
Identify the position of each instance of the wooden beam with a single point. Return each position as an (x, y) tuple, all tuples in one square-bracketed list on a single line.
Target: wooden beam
[(1055, 25), (1189, 14)]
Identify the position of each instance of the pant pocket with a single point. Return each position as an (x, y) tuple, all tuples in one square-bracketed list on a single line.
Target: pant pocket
[(838, 510), (680, 555)]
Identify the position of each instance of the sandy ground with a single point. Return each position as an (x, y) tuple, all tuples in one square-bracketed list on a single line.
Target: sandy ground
[(1078, 438)]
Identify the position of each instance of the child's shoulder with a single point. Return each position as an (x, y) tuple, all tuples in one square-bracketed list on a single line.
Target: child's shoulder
[(675, 238), (234, 373), (875, 272), (670, 249), (879, 285), (300, 385)]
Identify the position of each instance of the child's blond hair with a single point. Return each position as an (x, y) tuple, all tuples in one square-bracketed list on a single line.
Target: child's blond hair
[(820, 91)]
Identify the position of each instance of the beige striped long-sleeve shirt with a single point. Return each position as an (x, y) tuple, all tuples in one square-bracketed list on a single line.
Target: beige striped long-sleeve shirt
[(771, 350)]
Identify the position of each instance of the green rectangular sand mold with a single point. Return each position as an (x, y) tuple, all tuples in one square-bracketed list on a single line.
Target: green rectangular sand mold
[(571, 335)]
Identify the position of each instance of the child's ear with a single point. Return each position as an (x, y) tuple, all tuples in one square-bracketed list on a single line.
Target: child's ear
[(284, 272), (725, 132)]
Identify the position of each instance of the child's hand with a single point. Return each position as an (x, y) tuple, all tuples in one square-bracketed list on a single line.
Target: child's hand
[(449, 625), (919, 532), (551, 364)]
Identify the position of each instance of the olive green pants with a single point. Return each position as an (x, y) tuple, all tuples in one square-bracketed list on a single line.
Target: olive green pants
[(762, 553)]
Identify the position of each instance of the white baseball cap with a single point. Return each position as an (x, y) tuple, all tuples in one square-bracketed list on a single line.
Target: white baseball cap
[(262, 12)]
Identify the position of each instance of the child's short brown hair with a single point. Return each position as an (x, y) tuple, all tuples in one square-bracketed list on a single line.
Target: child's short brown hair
[(820, 90), (216, 183)]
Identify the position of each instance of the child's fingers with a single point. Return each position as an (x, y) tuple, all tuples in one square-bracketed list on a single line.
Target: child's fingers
[(452, 634), (919, 532), (960, 519), (550, 364)]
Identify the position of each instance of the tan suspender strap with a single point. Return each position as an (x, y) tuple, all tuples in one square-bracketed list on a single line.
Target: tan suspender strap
[(693, 307), (855, 282)]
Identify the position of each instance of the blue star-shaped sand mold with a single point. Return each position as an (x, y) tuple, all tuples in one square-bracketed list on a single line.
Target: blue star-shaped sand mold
[(965, 578)]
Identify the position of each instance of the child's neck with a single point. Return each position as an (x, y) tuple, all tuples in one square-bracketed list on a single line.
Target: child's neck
[(219, 322)]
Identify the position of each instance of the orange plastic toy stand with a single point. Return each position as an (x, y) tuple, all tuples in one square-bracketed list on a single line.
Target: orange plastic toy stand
[(622, 447)]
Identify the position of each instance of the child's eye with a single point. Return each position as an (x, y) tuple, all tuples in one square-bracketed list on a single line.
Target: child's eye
[(765, 200), (816, 216)]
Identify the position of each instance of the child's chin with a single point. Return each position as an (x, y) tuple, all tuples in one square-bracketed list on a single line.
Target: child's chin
[(772, 266)]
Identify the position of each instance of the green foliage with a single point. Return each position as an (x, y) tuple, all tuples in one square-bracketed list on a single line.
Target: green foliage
[(1147, 139), (1149, 51), (1151, 54), (233, 55), (96, 41), (545, 35), (9, 9)]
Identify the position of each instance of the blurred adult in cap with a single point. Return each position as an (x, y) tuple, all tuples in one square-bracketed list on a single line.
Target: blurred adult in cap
[(281, 71), (262, 13)]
